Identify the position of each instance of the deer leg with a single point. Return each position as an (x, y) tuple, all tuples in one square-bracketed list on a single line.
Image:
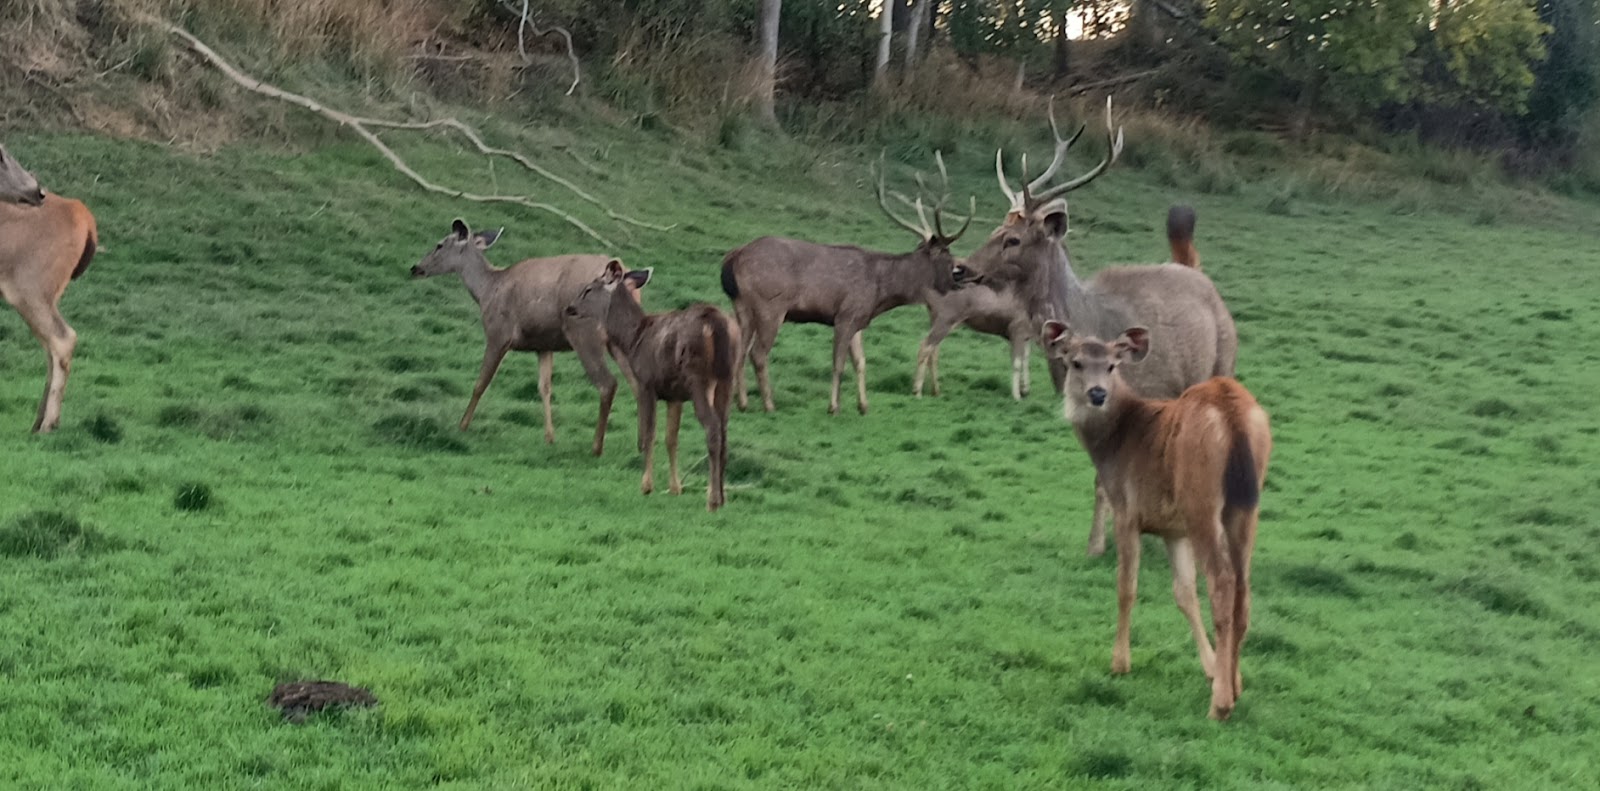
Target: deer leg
[(1102, 510), (1019, 336), (492, 355), (674, 417), (546, 366), (591, 352), (1181, 556), (706, 412), (939, 328), (859, 356), (1127, 592), (841, 351), (1242, 539), (1058, 374), (1211, 548), (647, 439), (765, 334), (747, 331), (59, 341), (1027, 373)]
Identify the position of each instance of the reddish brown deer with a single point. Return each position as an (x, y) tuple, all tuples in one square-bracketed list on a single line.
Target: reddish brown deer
[(522, 311), (685, 355), (1189, 470), (42, 248), (17, 185), (773, 280), (1179, 304)]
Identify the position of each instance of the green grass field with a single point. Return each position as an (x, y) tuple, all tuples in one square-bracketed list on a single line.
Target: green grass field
[(258, 478)]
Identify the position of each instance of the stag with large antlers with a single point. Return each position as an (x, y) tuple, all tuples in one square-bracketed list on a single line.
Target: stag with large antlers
[(773, 280), (1193, 330)]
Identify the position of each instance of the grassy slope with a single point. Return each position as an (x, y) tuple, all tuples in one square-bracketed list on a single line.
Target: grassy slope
[(895, 600)]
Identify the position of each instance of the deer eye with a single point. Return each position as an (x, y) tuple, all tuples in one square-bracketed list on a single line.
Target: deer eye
[(1111, 367), (1077, 366), (1012, 241)]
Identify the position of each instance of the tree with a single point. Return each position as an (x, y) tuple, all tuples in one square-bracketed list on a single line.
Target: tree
[(880, 73), (919, 21), (766, 103)]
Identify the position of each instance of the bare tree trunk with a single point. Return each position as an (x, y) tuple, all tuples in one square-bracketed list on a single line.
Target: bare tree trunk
[(766, 107), (919, 20), (1022, 71), (1063, 61), (885, 36)]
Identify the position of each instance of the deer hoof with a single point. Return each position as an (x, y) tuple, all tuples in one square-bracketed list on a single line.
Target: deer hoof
[(1121, 665), (1096, 550), (863, 408), (1220, 713), (675, 489)]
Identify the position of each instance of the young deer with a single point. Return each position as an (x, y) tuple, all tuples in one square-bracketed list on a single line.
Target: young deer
[(1188, 469), (42, 248), (522, 311), (685, 355)]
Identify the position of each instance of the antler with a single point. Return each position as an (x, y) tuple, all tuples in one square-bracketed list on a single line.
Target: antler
[(1027, 196), (1114, 143), (924, 229)]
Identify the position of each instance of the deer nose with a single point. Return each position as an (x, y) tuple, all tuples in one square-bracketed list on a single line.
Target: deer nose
[(572, 311), (416, 271), (961, 273), (37, 198), (1097, 396)]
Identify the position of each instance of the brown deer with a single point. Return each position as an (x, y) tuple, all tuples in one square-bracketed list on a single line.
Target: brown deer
[(685, 355), (17, 185), (773, 280), (522, 311), (1179, 304), (1005, 314), (1190, 470), (42, 248)]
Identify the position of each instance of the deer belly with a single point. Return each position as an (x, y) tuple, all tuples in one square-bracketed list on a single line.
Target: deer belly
[(804, 316)]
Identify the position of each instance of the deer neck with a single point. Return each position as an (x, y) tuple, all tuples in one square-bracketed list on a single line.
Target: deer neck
[(1065, 293), (480, 277), (902, 280), (625, 320)]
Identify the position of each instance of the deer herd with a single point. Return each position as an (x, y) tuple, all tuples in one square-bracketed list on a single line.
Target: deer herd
[(1142, 355)]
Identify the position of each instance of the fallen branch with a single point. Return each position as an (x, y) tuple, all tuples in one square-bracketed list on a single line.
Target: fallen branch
[(1079, 90), (359, 126), (522, 50)]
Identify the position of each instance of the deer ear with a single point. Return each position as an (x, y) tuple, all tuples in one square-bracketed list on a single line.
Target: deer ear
[(1134, 344), (459, 227), (1053, 331), (613, 270), (1053, 217), (486, 239), (638, 277)]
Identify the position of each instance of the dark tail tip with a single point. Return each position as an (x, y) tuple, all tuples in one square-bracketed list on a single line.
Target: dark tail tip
[(1180, 234), (1240, 489), (89, 246), (729, 285)]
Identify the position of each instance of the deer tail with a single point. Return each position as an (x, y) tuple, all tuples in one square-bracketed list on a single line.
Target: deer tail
[(729, 285), (1180, 234), (1240, 488), (719, 345), (90, 244)]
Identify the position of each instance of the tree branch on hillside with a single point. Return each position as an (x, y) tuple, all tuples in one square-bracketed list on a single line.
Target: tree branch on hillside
[(1079, 90), (522, 50), (360, 127)]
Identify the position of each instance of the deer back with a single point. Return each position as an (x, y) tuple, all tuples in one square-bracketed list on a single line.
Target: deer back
[(1192, 331), (44, 247), (531, 298)]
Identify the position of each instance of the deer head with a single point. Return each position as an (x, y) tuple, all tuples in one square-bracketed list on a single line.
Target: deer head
[(594, 301), (1093, 366), (17, 185), (457, 252), (1034, 226), (934, 242)]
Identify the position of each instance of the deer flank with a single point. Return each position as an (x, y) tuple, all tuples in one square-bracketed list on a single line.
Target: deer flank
[(1190, 470)]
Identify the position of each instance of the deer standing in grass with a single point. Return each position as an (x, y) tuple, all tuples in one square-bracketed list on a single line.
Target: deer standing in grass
[(17, 185), (46, 241), (774, 280), (523, 311), (1024, 257), (685, 355), (1189, 470)]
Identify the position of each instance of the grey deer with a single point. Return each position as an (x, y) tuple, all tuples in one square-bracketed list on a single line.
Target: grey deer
[(774, 280), (1193, 331), (522, 309), (1188, 469), (17, 185), (685, 355), (46, 241)]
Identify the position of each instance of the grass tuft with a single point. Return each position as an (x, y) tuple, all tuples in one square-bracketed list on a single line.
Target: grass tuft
[(193, 496), (51, 534), (413, 432)]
